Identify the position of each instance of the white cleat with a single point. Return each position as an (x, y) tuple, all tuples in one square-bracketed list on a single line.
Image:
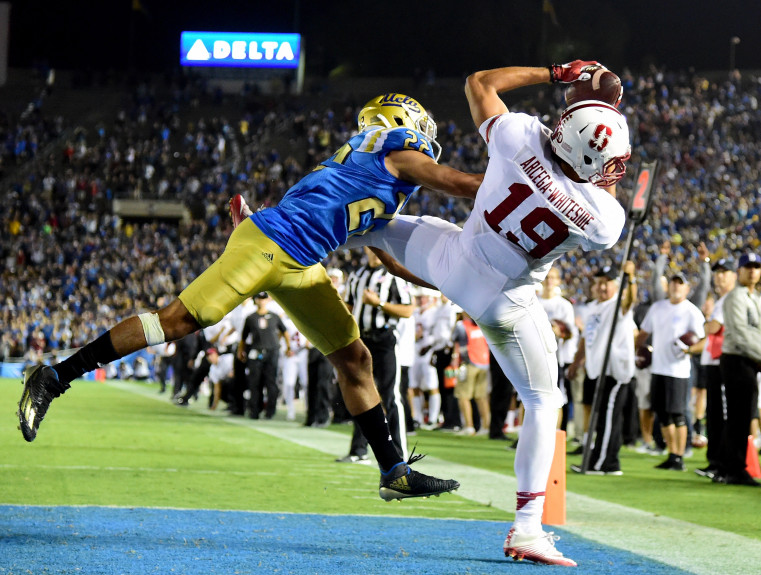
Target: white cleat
[(239, 210), (537, 548)]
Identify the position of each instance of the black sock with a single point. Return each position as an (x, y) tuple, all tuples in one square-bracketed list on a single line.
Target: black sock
[(374, 427), (96, 353)]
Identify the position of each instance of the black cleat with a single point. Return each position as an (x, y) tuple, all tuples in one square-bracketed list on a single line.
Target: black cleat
[(710, 472), (738, 479), (401, 482), (41, 386)]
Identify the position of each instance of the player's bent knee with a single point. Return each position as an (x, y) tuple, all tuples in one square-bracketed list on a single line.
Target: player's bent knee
[(351, 361), (176, 321), (209, 315)]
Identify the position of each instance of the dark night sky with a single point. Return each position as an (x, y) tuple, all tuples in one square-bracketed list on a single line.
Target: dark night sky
[(393, 37)]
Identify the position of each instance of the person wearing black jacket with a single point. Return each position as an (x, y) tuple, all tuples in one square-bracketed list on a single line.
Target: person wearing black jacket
[(259, 346), (739, 363)]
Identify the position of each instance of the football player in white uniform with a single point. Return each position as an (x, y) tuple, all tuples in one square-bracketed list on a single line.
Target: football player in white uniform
[(294, 368), (544, 194)]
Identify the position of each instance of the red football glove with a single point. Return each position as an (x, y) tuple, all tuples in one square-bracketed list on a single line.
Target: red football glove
[(567, 73)]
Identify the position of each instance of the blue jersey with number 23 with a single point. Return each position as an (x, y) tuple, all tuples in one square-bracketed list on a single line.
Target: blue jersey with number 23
[(350, 193)]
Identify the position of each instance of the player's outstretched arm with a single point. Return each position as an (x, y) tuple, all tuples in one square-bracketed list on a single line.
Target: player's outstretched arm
[(482, 88), (412, 166)]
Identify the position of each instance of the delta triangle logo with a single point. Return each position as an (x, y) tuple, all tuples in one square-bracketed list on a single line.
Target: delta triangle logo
[(198, 51)]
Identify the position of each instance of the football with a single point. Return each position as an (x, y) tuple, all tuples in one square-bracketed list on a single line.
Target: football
[(689, 338), (604, 86), (644, 357), (561, 329), (699, 440)]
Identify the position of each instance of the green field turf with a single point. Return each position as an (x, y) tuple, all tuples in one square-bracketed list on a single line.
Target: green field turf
[(104, 444)]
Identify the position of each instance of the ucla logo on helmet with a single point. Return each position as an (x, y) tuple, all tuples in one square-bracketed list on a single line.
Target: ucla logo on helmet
[(400, 100)]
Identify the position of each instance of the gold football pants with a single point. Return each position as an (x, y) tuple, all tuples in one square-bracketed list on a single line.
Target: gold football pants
[(253, 263)]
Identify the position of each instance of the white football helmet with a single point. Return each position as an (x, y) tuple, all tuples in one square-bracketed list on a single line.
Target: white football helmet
[(593, 138)]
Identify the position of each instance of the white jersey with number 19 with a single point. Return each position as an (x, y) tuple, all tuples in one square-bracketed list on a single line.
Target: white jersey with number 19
[(527, 212)]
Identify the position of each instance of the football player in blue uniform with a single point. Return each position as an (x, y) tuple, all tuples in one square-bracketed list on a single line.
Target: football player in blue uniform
[(278, 250)]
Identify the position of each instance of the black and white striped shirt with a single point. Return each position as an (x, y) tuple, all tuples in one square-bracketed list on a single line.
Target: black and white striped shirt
[(390, 289)]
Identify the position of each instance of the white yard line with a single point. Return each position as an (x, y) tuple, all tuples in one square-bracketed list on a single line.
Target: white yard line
[(701, 550)]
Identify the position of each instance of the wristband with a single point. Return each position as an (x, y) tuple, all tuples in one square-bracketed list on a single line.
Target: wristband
[(553, 77)]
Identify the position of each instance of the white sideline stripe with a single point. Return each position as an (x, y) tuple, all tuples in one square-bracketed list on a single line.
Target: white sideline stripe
[(702, 551), (143, 469)]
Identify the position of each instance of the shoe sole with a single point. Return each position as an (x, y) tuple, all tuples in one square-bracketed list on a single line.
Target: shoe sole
[(702, 473), (577, 469), (25, 415), (389, 495), (518, 555)]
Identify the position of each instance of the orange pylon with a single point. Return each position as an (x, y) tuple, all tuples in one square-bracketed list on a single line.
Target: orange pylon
[(751, 460), (554, 500)]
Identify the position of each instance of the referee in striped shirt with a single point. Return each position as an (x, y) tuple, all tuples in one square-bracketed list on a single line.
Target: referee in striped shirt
[(378, 299)]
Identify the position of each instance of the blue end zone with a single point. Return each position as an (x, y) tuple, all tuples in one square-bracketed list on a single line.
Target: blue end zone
[(140, 541)]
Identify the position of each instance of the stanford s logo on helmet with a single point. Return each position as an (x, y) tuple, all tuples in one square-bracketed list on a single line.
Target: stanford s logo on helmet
[(396, 110), (601, 138), (593, 138)]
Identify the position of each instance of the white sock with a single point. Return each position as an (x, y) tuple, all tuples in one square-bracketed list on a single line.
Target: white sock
[(434, 408), (533, 460), (417, 408)]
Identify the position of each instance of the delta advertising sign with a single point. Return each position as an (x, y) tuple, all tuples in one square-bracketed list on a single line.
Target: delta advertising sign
[(240, 49)]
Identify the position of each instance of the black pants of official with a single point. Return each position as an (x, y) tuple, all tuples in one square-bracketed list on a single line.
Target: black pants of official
[(161, 371), (196, 379), (741, 388), (609, 426), (404, 386), (182, 362), (630, 415), (715, 414), (262, 374), (238, 386), (450, 410), (319, 388), (499, 400), (386, 374)]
